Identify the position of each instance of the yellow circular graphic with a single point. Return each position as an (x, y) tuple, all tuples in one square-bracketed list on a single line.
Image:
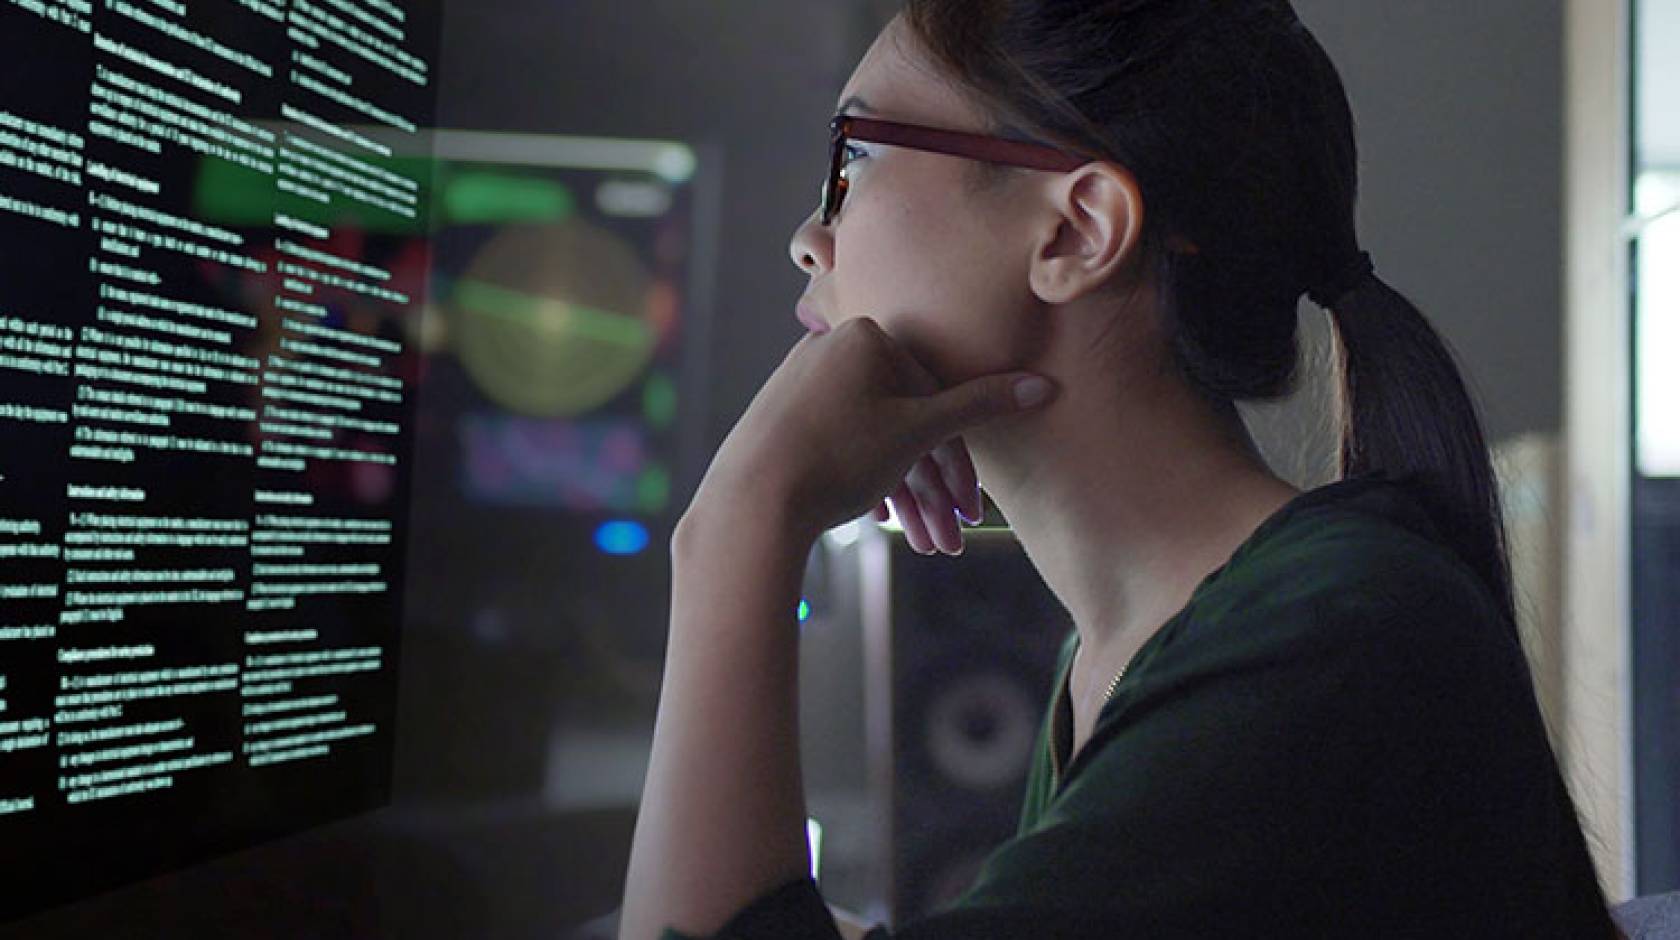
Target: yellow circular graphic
[(553, 319)]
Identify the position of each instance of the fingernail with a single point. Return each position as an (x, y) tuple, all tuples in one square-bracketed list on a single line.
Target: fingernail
[(1031, 391)]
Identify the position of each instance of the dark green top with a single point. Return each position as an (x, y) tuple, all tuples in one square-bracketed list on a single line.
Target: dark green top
[(1336, 736)]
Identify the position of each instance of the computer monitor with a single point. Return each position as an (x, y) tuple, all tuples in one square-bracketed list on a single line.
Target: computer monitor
[(213, 257)]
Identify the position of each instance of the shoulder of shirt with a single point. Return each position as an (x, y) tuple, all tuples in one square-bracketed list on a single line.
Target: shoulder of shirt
[(1366, 553)]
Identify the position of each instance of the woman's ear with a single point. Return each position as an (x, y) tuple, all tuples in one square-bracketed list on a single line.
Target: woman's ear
[(1092, 227)]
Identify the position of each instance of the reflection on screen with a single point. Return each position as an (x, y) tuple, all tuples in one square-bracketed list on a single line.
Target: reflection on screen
[(212, 261), (564, 269)]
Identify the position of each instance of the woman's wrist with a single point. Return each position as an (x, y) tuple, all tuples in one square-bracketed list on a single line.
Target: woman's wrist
[(729, 519)]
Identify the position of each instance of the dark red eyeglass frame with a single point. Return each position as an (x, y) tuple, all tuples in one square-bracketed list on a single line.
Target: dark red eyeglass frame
[(1019, 153)]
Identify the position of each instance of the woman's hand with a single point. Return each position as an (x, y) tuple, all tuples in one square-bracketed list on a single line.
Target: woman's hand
[(940, 485), (846, 421)]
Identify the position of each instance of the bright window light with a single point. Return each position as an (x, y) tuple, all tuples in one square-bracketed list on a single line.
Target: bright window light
[(1657, 343)]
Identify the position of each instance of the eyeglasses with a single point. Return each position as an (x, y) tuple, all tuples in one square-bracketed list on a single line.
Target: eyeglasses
[(847, 127)]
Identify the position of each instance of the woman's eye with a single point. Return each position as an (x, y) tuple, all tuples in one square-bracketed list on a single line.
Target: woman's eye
[(852, 152)]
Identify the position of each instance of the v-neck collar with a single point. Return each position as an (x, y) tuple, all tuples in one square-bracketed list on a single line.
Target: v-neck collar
[(1061, 728), (1061, 722)]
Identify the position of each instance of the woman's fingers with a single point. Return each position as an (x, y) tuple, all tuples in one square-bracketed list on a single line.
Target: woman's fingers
[(937, 505), (910, 517), (938, 487), (957, 469)]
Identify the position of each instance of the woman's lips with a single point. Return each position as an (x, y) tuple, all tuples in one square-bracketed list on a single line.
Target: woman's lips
[(808, 317)]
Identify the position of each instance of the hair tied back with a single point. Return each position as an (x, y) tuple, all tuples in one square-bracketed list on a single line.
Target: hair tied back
[(1351, 276)]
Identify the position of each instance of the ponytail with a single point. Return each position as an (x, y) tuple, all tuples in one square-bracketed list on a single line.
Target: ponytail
[(1405, 412)]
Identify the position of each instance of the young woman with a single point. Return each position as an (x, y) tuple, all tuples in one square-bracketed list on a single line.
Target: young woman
[(1280, 713)]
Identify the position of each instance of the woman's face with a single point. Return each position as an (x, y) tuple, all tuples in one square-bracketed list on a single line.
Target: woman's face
[(942, 268)]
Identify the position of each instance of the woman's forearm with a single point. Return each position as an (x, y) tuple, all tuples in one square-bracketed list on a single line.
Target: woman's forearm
[(722, 817)]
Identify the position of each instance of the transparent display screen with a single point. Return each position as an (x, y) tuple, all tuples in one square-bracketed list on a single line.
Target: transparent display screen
[(213, 258)]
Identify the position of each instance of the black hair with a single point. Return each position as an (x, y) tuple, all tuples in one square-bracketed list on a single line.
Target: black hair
[(1237, 128)]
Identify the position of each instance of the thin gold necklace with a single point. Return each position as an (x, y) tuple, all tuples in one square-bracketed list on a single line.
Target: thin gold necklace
[(1112, 683)]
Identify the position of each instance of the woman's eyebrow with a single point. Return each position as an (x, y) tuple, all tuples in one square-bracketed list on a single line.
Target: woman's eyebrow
[(854, 102)]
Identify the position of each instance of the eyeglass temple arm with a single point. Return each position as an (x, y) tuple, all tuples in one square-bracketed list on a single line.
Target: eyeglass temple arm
[(958, 143)]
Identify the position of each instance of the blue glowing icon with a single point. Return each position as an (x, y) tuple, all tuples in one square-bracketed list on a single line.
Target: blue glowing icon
[(621, 538)]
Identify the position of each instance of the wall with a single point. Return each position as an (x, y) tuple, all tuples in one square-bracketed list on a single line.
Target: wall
[(1457, 109), (1459, 118)]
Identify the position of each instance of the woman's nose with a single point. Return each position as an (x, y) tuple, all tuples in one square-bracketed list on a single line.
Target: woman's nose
[(812, 247)]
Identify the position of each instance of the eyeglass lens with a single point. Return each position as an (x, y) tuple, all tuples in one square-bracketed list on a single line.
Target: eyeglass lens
[(834, 187)]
